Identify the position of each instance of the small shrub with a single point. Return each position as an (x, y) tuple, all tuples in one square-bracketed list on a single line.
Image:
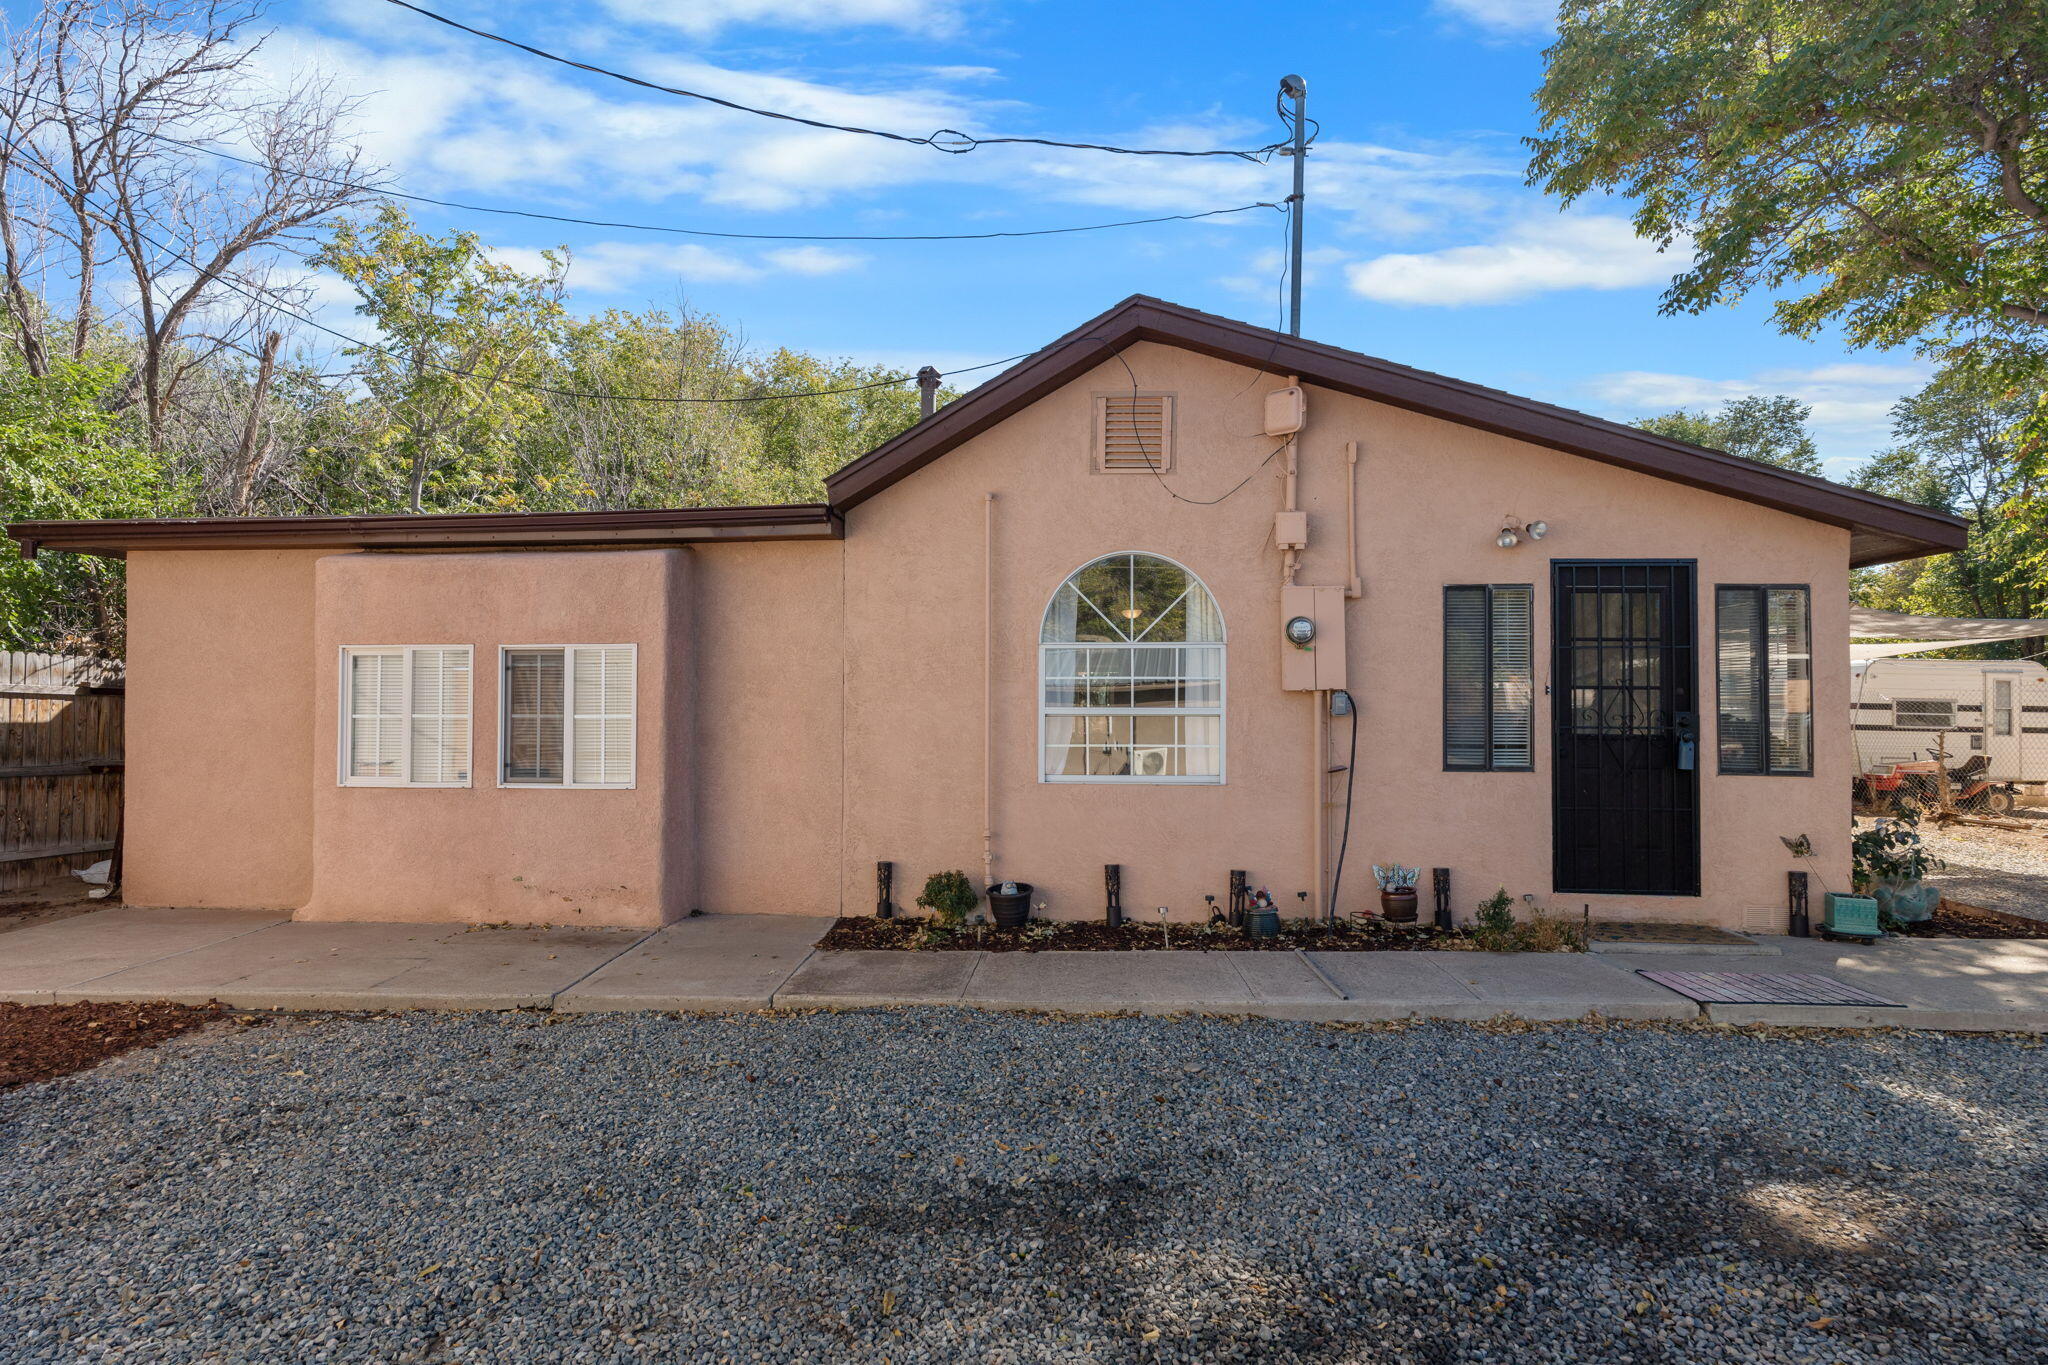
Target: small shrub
[(949, 896), (1497, 930)]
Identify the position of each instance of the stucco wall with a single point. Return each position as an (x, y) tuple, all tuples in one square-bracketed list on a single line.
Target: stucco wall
[(219, 782), (1431, 498), (769, 662), (809, 709), (486, 852)]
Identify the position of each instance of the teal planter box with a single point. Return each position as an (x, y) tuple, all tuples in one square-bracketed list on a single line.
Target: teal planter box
[(1851, 916)]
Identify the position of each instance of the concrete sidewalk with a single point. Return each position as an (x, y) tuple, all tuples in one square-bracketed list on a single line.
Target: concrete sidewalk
[(750, 962)]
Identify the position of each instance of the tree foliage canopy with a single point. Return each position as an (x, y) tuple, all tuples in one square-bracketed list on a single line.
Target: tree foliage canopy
[(1883, 162), (1770, 429)]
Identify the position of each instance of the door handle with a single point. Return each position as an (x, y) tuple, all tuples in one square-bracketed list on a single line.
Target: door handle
[(1685, 727)]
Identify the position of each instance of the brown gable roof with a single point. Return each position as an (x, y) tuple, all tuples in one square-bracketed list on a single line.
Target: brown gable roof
[(1881, 529)]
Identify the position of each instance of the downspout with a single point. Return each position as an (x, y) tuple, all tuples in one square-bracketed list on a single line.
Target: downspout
[(1317, 815), (988, 722), (1353, 585)]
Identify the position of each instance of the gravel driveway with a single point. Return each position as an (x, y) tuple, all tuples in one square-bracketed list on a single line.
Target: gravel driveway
[(1999, 869), (959, 1187)]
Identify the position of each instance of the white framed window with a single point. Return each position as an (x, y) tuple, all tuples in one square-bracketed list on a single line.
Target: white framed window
[(1131, 675), (566, 715), (1923, 713), (405, 715)]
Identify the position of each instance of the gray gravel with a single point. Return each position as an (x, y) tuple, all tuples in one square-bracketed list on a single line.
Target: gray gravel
[(2000, 869), (945, 1187)]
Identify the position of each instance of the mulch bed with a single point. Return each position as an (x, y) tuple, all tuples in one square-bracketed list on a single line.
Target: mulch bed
[(1955, 919), (38, 1042), (1352, 936)]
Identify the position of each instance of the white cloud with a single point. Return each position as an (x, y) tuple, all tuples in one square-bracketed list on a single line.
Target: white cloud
[(702, 18), (1535, 256), (1843, 396), (1504, 16), (1851, 402), (617, 267), (814, 260)]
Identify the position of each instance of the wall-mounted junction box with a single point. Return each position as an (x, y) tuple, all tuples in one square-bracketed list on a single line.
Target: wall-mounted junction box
[(1290, 530), (1286, 411), (1319, 665)]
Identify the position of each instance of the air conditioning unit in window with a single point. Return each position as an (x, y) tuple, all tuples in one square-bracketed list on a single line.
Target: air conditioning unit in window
[(1150, 762)]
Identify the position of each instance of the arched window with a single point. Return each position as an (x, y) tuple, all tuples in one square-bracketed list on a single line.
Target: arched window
[(1130, 666)]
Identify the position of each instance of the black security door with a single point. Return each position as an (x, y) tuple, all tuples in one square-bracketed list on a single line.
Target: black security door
[(1625, 716)]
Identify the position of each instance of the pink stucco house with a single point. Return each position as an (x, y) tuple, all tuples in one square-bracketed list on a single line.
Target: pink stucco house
[(1127, 603)]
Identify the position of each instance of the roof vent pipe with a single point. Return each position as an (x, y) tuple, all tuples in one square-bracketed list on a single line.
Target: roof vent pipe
[(927, 392)]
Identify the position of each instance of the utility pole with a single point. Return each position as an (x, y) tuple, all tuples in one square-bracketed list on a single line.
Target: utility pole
[(1296, 89)]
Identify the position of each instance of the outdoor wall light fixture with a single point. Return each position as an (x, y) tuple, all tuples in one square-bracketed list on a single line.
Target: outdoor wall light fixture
[(1511, 535), (1301, 631)]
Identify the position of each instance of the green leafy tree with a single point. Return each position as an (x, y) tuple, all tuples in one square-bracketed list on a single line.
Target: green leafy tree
[(1768, 429), (1960, 445), (63, 457), (464, 339), (1883, 161)]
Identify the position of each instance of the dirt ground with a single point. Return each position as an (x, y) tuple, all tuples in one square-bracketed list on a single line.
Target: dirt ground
[(41, 904), (912, 932), (38, 1042)]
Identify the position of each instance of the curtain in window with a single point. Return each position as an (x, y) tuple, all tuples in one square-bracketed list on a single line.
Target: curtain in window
[(1131, 675)]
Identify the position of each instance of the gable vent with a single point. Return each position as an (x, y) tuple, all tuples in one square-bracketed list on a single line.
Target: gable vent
[(1133, 433)]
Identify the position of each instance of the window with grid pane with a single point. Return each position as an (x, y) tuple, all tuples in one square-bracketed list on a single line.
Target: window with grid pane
[(1131, 676), (1764, 671), (1489, 677), (569, 716), (406, 716)]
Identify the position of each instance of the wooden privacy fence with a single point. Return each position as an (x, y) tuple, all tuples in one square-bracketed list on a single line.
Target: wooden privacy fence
[(60, 765)]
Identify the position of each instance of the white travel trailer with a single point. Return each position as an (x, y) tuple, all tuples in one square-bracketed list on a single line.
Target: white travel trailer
[(1993, 709)]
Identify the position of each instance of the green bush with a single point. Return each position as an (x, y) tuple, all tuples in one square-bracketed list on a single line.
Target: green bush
[(949, 896), (1497, 930)]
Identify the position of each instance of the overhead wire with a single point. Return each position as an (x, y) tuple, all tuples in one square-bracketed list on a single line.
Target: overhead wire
[(950, 140), (387, 192), (270, 298)]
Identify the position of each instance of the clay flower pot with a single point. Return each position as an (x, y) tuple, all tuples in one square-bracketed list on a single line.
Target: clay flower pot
[(1398, 905)]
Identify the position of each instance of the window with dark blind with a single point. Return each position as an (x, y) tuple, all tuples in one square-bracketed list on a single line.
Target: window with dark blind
[(1764, 654), (1489, 677)]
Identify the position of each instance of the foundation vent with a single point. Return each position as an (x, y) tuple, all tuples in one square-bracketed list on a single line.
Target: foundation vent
[(1133, 433)]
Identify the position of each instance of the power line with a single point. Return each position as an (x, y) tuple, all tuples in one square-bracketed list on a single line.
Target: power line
[(260, 295), (944, 140), (388, 193)]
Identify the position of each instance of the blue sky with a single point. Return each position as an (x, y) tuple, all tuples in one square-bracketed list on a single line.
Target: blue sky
[(1425, 246)]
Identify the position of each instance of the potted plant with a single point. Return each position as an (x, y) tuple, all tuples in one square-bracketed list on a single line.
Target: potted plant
[(1011, 904), (1397, 892), (1892, 866), (949, 896)]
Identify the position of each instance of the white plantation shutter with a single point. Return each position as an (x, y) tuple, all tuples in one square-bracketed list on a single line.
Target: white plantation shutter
[(376, 716), (440, 715), (601, 719), (407, 716)]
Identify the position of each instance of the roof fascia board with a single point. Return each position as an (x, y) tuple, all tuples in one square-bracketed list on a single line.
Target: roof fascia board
[(489, 530)]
